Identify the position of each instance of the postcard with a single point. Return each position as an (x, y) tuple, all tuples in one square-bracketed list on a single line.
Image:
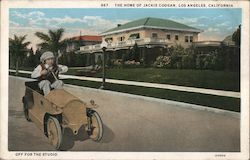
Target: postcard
[(124, 79)]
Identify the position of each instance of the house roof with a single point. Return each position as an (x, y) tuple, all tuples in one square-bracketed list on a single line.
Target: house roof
[(207, 43), (91, 38), (228, 41), (150, 22)]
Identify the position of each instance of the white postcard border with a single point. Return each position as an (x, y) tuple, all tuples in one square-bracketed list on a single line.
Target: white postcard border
[(244, 154)]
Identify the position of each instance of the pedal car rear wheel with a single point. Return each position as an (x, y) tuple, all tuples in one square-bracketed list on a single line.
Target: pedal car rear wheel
[(54, 132), (26, 111), (96, 127)]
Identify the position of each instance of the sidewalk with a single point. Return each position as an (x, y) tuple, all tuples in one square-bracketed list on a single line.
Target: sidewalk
[(152, 85)]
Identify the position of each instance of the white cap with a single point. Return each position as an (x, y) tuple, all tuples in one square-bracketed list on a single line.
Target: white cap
[(46, 55)]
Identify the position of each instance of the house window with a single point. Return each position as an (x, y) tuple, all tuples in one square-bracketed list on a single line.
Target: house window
[(154, 35), (109, 40), (176, 37), (168, 37), (134, 36), (191, 39), (121, 38), (186, 38)]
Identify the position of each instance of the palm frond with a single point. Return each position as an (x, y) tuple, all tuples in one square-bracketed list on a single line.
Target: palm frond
[(22, 38), (52, 35), (26, 44), (59, 33), (43, 45), (43, 36), (16, 38)]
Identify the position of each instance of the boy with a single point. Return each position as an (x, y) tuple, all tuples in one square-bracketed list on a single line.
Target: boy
[(47, 73)]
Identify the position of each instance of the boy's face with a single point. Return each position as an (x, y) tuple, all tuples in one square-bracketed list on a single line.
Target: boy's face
[(49, 61)]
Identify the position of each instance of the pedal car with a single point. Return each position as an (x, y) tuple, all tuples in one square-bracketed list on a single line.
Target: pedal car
[(59, 110)]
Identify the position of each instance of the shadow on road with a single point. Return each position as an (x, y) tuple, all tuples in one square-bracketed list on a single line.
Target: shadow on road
[(69, 138), (108, 135)]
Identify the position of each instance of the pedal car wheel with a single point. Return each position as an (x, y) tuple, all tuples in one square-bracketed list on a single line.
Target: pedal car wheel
[(96, 127), (26, 111), (54, 132)]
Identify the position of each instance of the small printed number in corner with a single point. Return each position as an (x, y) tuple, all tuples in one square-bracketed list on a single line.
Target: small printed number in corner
[(220, 155)]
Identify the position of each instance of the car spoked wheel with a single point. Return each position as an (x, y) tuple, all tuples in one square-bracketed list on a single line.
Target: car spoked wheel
[(54, 132), (26, 111), (96, 128)]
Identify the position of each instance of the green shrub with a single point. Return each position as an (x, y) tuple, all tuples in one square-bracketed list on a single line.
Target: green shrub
[(188, 61), (99, 60)]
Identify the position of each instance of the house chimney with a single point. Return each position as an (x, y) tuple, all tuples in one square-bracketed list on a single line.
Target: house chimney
[(118, 25)]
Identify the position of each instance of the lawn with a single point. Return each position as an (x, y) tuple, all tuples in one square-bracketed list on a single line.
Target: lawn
[(222, 80)]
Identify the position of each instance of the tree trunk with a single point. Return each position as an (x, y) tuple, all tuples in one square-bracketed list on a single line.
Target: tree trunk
[(16, 67), (57, 58)]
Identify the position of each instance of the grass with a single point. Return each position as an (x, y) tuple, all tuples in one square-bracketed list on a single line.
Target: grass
[(222, 80), (227, 103)]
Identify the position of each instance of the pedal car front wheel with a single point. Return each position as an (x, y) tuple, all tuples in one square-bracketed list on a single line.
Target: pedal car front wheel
[(54, 132), (95, 131)]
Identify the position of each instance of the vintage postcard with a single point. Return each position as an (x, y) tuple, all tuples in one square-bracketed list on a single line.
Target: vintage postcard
[(124, 79)]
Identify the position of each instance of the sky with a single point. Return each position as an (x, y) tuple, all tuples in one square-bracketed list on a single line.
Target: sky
[(215, 23)]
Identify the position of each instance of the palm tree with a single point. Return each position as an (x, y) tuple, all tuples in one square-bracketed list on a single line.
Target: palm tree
[(18, 49), (51, 41)]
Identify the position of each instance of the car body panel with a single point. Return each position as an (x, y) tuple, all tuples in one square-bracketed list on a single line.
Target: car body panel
[(37, 116), (56, 96), (57, 102)]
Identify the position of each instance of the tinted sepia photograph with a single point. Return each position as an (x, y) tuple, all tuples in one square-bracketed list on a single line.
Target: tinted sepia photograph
[(125, 80)]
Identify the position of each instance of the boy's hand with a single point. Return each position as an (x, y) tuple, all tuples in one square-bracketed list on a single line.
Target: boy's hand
[(44, 72)]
